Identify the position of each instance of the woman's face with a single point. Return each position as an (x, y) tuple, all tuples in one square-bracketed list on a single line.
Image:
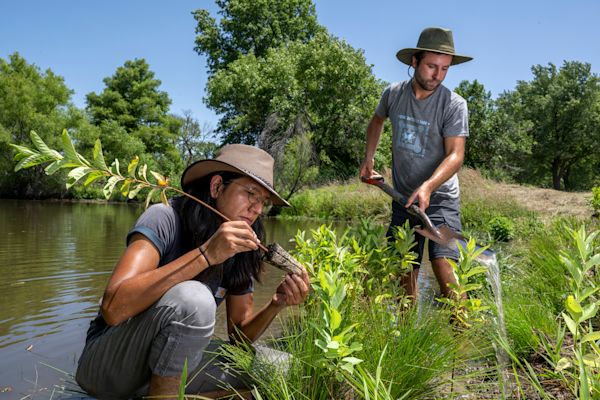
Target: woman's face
[(241, 199)]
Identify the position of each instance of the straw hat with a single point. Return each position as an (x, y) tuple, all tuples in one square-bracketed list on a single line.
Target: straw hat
[(242, 159), (437, 40)]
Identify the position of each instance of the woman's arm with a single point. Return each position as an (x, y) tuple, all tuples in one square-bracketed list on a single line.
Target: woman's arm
[(243, 325), (137, 282)]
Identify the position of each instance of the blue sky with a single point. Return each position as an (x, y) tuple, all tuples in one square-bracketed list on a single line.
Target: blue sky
[(86, 41)]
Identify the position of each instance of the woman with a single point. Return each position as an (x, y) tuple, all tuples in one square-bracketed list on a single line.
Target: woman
[(180, 263)]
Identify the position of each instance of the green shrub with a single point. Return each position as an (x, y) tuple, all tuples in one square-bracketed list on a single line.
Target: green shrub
[(595, 200), (501, 228)]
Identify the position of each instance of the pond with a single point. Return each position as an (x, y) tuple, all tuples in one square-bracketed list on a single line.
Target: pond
[(55, 259)]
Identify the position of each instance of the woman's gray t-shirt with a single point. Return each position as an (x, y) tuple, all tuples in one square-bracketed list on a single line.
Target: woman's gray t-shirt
[(162, 226), (418, 131)]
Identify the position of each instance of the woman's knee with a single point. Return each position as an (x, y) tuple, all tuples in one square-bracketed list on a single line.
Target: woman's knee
[(192, 302)]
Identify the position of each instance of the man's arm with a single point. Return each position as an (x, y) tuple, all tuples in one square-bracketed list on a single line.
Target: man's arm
[(454, 147), (373, 135)]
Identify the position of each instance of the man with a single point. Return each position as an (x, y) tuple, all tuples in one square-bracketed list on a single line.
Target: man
[(430, 126)]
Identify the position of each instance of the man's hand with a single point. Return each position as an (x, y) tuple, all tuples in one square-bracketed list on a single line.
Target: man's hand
[(422, 196), (292, 290), (366, 169)]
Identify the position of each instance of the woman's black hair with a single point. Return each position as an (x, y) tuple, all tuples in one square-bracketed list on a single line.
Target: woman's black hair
[(199, 224)]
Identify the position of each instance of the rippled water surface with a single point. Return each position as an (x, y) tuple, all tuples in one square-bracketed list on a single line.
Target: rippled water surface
[(55, 259)]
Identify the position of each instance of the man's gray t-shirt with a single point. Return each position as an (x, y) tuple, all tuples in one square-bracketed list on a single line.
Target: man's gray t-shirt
[(419, 128)]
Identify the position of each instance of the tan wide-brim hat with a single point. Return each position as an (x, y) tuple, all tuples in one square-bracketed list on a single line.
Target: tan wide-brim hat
[(436, 40), (242, 159)]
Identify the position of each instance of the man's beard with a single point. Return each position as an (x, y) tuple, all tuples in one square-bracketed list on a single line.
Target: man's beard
[(429, 86)]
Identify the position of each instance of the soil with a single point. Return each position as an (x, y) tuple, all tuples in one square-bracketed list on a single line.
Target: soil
[(547, 202)]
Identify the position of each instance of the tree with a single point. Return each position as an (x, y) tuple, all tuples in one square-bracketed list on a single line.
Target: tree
[(563, 107), (132, 100), (193, 142), (31, 100), (496, 144), (325, 84), (252, 27)]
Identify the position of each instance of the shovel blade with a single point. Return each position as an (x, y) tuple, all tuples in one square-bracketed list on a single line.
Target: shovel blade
[(442, 235)]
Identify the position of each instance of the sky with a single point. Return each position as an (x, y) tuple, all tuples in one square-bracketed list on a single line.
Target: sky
[(86, 41)]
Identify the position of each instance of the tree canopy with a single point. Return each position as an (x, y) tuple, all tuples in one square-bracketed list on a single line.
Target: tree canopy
[(562, 107), (252, 27), (323, 86), (31, 99), (133, 113)]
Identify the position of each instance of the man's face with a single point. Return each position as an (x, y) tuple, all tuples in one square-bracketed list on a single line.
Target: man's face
[(431, 71)]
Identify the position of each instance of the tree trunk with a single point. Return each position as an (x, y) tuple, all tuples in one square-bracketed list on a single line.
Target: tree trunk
[(556, 173)]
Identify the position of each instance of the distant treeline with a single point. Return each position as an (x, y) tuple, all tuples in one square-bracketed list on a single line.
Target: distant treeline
[(279, 80)]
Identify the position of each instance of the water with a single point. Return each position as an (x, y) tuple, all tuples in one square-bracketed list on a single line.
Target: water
[(55, 259)]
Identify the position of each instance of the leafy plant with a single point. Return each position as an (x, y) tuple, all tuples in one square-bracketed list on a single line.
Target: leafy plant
[(501, 228), (466, 308), (131, 182), (595, 200)]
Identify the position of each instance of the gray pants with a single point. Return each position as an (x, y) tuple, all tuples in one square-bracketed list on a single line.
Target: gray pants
[(119, 362)]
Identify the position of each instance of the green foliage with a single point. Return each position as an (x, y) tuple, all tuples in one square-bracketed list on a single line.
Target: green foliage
[(323, 85), (562, 108), (350, 201), (466, 308), (496, 143), (578, 367), (595, 200), (296, 167), (129, 184), (31, 99), (252, 27), (194, 142), (501, 228), (133, 113)]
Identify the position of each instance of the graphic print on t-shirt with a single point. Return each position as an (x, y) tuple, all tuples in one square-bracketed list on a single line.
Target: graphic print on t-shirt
[(412, 135)]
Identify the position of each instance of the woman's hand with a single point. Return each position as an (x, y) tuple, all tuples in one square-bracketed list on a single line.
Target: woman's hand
[(231, 238), (292, 290)]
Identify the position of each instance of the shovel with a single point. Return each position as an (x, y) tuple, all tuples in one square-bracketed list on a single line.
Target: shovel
[(440, 234)]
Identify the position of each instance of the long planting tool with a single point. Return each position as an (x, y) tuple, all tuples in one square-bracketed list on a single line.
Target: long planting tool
[(441, 234), (131, 183)]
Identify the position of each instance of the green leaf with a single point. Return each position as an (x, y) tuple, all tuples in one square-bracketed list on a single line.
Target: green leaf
[(336, 320), (125, 188), (99, 156), (352, 360), (573, 307), (142, 172), (183, 381), (570, 324), (591, 360), (76, 174), (117, 167), (43, 148), (33, 160), (163, 197), (70, 152), (160, 180), (132, 166), (134, 192), (93, 176), (334, 345), (591, 337), (110, 185), (149, 197), (589, 312), (563, 364)]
